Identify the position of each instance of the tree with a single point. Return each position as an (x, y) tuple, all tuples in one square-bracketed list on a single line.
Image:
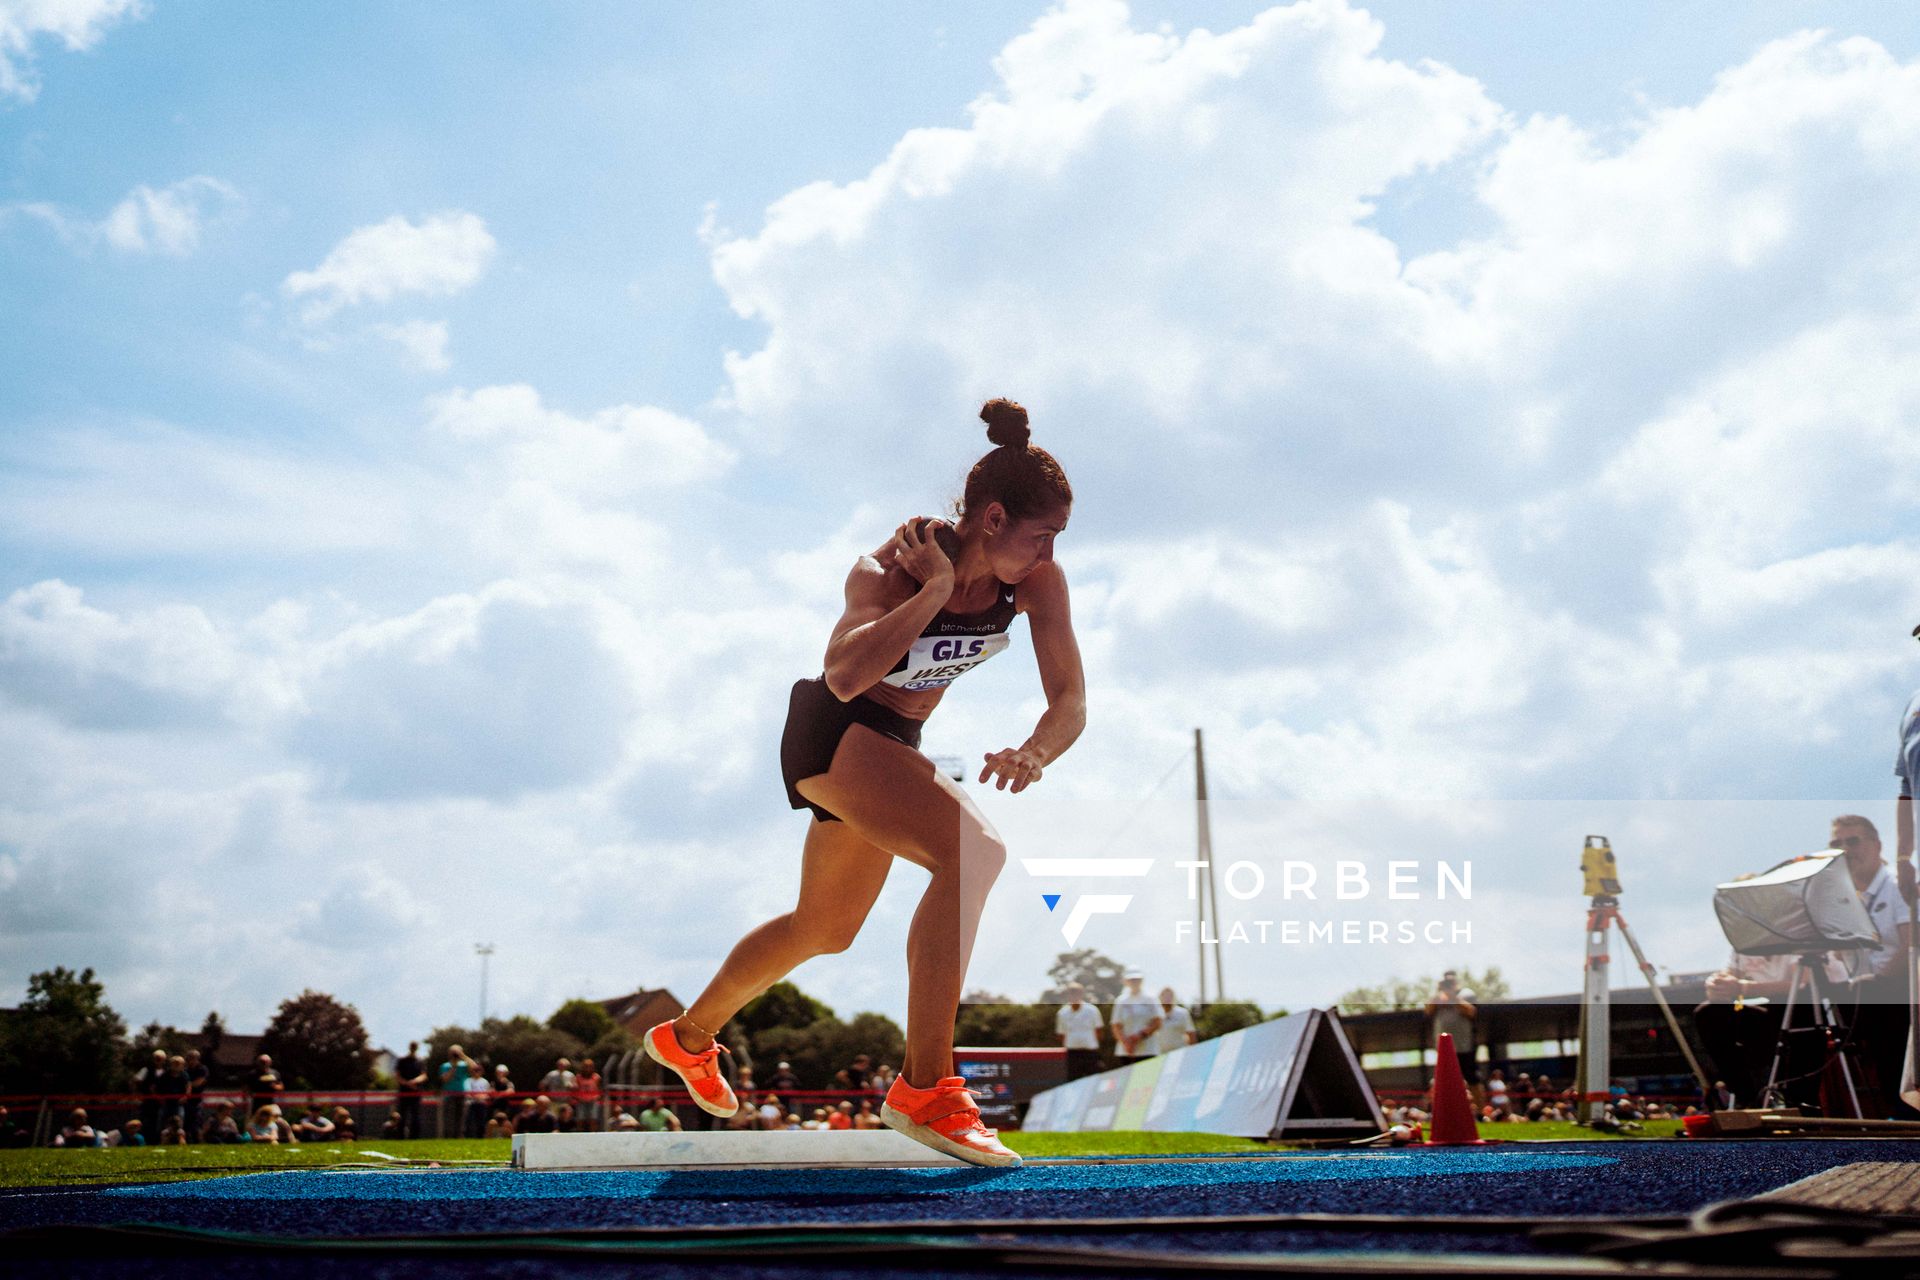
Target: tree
[(821, 1048), (1003, 1024), (780, 1005), (1404, 993), (1226, 1015), (584, 1020), (1099, 974), (64, 1037), (213, 1034), (316, 1042)]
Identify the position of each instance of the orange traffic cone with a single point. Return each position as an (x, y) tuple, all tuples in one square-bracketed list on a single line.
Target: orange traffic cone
[(1452, 1124)]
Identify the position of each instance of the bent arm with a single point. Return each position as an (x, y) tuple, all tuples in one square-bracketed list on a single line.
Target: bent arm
[(1044, 597), (871, 634)]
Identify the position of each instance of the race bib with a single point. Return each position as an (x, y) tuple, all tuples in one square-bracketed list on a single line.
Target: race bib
[(935, 662)]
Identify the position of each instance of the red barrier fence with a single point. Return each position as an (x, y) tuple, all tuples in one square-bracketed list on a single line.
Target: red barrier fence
[(433, 1114)]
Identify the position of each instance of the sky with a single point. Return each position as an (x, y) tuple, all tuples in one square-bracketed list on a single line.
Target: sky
[(433, 440)]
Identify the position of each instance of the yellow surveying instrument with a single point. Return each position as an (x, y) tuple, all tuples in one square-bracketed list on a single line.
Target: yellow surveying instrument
[(1602, 877)]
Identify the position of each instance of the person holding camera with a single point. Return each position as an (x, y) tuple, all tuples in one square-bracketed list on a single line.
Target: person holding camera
[(1453, 1011)]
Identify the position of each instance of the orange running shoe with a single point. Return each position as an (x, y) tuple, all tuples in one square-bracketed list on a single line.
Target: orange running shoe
[(700, 1072), (945, 1118)]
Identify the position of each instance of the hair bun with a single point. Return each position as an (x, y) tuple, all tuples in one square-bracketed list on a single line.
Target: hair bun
[(1006, 423)]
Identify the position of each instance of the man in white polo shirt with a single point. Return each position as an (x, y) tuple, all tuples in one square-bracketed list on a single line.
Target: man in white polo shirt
[(1135, 1019), (1176, 1024), (1078, 1025)]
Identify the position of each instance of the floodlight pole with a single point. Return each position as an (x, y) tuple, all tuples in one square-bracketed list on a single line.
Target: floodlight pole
[(484, 950), (1206, 898)]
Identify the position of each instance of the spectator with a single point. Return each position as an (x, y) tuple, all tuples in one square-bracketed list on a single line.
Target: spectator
[(1176, 1024), (560, 1080), (410, 1074), (857, 1076), (783, 1080), (841, 1117), (1078, 1025), (1136, 1018), (1717, 1098), (625, 1123), (818, 1120), (792, 1122), (477, 1092), (345, 1127), (586, 1094), (566, 1119), (883, 1077), (147, 1082), (657, 1117), (503, 1090), (396, 1124), (314, 1126), (772, 1114), (127, 1135), (499, 1126), (264, 1086), (11, 1134), (197, 1075), (1453, 1012), (454, 1073), (77, 1132), (264, 1126), (220, 1126), (1497, 1092), (866, 1117), (747, 1117), (173, 1133), (174, 1085), (540, 1119)]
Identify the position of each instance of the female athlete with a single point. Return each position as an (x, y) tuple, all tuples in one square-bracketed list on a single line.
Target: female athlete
[(931, 604)]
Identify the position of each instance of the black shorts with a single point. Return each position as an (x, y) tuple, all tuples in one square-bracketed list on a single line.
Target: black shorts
[(816, 721)]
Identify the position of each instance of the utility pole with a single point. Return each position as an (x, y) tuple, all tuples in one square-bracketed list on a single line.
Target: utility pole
[(484, 950)]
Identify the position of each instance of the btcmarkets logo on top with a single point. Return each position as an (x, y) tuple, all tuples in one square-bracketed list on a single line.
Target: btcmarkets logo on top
[(1299, 881)]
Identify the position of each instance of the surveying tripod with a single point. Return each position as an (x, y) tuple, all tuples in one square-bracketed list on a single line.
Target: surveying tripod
[(1596, 1023)]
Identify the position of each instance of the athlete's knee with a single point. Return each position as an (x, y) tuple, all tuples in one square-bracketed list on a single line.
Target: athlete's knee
[(986, 854), (826, 937)]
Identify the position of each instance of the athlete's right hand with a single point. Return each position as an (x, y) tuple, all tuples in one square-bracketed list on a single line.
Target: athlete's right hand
[(920, 554)]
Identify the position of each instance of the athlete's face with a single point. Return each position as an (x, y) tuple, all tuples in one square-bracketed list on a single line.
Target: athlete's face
[(1021, 546)]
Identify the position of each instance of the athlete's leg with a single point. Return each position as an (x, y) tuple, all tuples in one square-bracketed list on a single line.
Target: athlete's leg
[(894, 797), (840, 875)]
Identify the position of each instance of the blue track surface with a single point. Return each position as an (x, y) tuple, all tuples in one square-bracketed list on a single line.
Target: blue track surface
[(1572, 1179)]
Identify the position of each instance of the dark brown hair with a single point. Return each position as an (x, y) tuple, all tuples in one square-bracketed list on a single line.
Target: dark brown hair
[(1022, 477)]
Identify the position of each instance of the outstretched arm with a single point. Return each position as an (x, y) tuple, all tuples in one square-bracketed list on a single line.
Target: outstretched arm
[(1043, 596)]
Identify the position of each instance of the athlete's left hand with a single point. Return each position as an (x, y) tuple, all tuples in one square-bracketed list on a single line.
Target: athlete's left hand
[(1015, 765)]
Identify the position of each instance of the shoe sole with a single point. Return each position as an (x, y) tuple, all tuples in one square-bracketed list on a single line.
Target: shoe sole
[(899, 1122), (712, 1109)]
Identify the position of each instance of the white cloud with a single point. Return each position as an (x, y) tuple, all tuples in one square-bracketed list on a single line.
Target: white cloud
[(423, 343), (78, 24), (441, 255), (168, 221)]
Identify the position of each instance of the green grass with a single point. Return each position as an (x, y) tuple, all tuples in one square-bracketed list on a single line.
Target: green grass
[(56, 1166), (52, 1167)]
